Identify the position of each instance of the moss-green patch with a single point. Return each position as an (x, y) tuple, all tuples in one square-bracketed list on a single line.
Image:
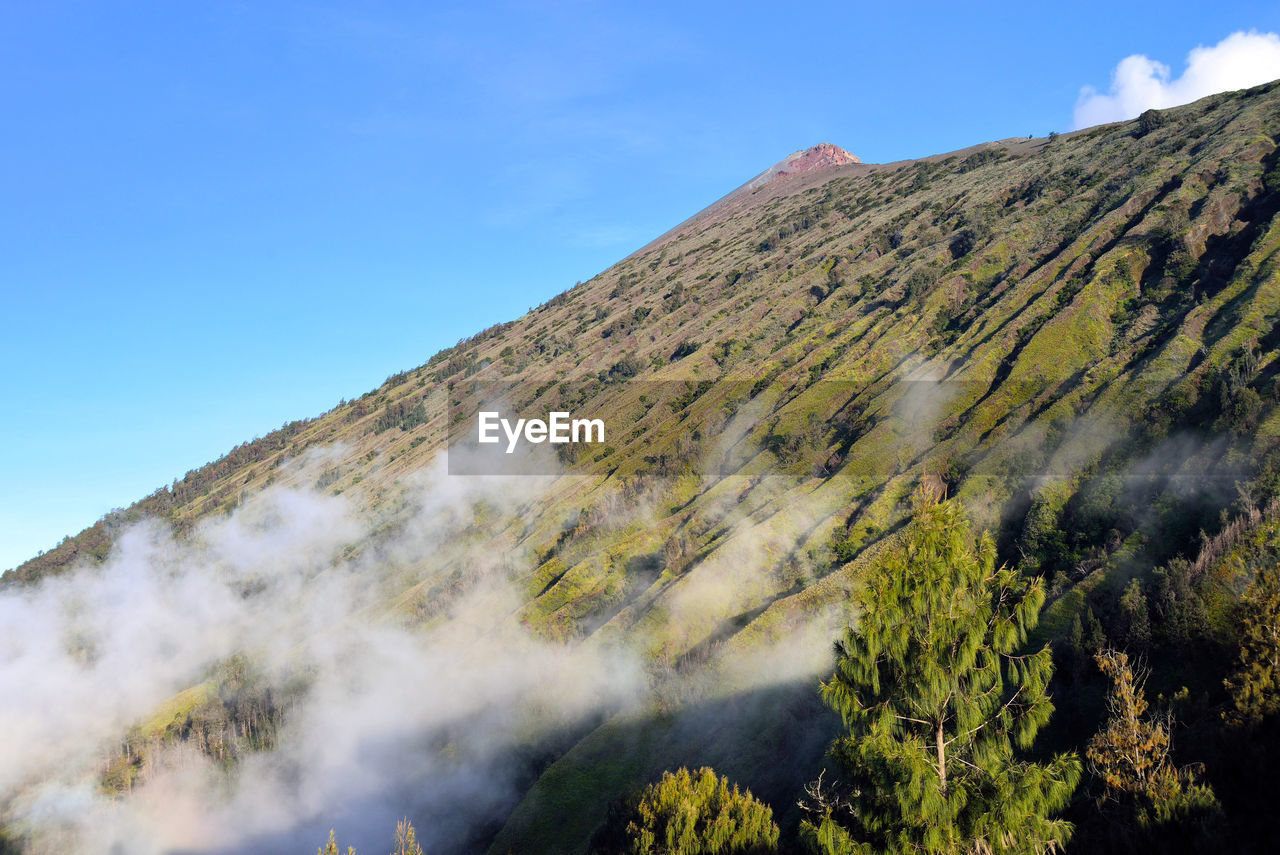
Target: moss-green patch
[(174, 710)]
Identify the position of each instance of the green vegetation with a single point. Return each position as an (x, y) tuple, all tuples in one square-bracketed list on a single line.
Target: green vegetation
[(935, 692), (689, 813), (1149, 121), (405, 415), (1255, 685)]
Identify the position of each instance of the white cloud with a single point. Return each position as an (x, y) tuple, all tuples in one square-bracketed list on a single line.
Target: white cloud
[(403, 677), (1140, 83), (393, 720)]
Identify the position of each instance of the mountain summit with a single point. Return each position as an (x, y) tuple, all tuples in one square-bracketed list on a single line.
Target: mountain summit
[(823, 156), (820, 156)]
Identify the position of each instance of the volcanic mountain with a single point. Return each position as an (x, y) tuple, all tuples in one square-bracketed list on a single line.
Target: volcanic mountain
[(1074, 335)]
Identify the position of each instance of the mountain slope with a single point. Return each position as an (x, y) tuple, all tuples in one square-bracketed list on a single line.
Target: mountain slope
[(1075, 335), (1059, 206)]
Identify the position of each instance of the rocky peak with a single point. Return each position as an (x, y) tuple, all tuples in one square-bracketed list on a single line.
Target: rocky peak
[(821, 156)]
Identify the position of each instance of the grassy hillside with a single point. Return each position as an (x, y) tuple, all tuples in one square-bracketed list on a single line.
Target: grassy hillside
[(1076, 335)]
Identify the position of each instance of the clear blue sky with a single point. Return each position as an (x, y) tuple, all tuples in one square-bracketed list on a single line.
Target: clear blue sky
[(217, 217)]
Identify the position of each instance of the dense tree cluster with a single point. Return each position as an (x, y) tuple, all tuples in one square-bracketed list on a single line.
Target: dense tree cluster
[(942, 695)]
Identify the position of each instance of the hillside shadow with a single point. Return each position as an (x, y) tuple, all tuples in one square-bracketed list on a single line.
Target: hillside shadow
[(770, 740)]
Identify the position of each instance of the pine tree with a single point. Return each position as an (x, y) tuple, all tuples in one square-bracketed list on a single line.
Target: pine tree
[(1135, 617), (1255, 686), (935, 695), (1084, 639)]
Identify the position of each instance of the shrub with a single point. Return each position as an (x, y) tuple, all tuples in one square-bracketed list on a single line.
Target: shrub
[(624, 369), (689, 813), (1148, 122), (683, 349)]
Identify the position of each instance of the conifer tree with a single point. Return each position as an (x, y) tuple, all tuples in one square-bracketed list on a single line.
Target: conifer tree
[(1255, 686), (935, 694)]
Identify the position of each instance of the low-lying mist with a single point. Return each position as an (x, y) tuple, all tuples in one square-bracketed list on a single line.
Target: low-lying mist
[(382, 720)]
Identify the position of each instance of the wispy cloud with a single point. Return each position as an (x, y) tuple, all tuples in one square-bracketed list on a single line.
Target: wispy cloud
[(1139, 83)]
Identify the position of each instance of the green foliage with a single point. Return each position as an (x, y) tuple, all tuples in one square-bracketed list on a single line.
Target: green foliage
[(690, 813), (624, 369), (404, 414), (1180, 605), (1240, 410), (1085, 638), (1240, 405), (683, 349), (723, 351), (935, 695), (1149, 121), (920, 282), (963, 243), (1042, 536), (690, 393), (1255, 684), (845, 548), (1134, 616), (231, 715), (982, 158)]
